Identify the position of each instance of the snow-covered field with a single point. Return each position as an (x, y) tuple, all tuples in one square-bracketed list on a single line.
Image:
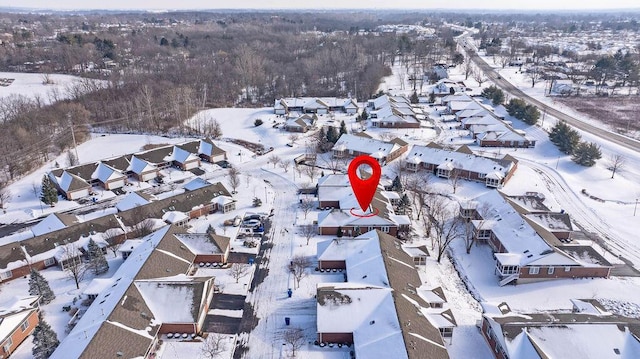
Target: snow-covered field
[(32, 86), (542, 169)]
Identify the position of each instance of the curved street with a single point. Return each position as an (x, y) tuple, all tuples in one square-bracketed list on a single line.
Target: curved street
[(513, 90)]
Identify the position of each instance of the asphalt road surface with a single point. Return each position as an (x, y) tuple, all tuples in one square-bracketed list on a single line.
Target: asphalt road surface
[(508, 87)]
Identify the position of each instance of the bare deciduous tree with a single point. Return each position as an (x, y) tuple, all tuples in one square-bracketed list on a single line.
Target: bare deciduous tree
[(213, 346), (311, 171), (5, 196), (274, 159), (446, 223), (142, 224), (285, 166), (238, 270), (111, 237), (293, 138), (308, 231), (298, 267), (455, 177), (295, 338), (216, 130), (467, 67), (479, 77), (73, 264), (616, 163), (234, 178), (306, 205)]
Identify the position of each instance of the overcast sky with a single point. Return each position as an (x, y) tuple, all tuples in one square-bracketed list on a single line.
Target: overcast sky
[(324, 4)]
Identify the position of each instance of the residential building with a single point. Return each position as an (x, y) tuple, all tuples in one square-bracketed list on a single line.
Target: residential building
[(315, 105), (568, 335), (388, 316), (462, 163), (349, 145), (149, 295), (302, 123), (18, 319), (524, 249)]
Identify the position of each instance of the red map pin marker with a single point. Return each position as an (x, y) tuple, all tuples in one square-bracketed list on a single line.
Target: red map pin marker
[(364, 189)]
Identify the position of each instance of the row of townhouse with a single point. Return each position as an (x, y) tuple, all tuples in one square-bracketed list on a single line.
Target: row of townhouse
[(315, 105), (588, 331), (352, 145), (529, 246), (77, 182), (153, 293), (462, 163), (486, 127), (391, 313), (336, 197), (394, 112), (62, 242)]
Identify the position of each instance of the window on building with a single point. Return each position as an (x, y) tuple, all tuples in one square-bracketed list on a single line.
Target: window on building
[(24, 325), (534, 270), (6, 275), (484, 234), (49, 261), (550, 270), (567, 269), (385, 229), (7, 345)]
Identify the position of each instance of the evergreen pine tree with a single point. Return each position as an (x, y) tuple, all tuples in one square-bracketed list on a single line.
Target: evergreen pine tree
[(45, 340), (563, 136), (332, 135), (414, 97), (432, 97), (211, 230), (97, 262), (343, 128), (396, 185), (586, 154), (404, 201), (49, 194), (364, 115), (38, 285)]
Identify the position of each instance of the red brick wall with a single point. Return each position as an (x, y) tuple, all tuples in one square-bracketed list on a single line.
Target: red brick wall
[(492, 343), (335, 337), (19, 336), (559, 272), (210, 258), (178, 328), (332, 265), (332, 231)]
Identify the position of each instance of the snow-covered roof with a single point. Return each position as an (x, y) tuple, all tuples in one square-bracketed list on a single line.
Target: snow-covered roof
[(54, 222), (70, 182), (577, 341), (181, 156), (171, 299), (515, 234), (129, 245), (460, 160), (364, 145), (201, 243), (335, 218), (175, 217), (10, 322), (334, 180), (196, 183), (140, 166), (97, 285), (106, 173), (314, 102), (84, 331), (131, 200), (372, 318)]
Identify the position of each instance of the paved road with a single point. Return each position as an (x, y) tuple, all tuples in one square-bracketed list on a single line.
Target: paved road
[(508, 87)]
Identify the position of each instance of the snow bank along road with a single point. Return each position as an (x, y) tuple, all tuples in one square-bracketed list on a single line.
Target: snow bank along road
[(580, 213), (508, 87)]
